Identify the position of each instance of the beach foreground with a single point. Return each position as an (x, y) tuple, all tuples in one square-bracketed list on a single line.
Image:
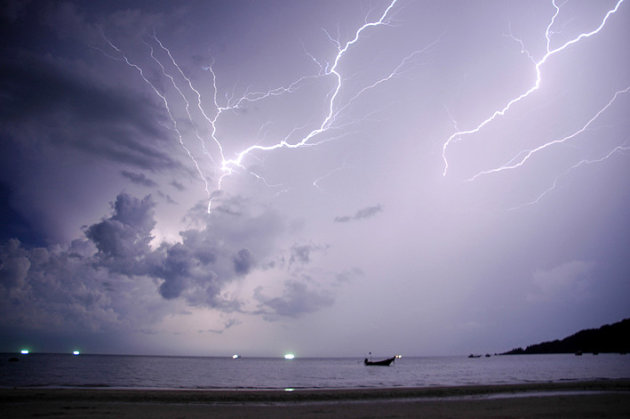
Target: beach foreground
[(597, 399)]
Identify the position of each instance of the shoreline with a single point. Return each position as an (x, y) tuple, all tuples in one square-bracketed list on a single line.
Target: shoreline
[(575, 399)]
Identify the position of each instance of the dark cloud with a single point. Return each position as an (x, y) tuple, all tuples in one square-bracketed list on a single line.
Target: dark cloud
[(14, 268), (139, 179), (12, 10), (198, 268), (360, 214), (99, 282), (123, 239), (60, 288), (189, 269), (177, 270), (52, 101), (14, 224), (243, 262)]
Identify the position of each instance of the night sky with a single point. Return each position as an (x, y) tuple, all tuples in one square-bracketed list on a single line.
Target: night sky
[(322, 177)]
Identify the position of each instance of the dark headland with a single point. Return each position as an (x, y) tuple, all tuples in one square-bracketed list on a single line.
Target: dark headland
[(610, 338)]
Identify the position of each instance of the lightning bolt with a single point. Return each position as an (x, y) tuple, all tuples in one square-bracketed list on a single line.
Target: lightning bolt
[(323, 132), (527, 154), (174, 125), (179, 90), (228, 164), (538, 65), (330, 173), (618, 149)]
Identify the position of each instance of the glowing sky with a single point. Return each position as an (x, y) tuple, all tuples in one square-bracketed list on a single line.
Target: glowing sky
[(323, 177)]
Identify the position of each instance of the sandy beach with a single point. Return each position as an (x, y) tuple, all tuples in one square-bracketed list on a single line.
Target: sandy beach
[(609, 399)]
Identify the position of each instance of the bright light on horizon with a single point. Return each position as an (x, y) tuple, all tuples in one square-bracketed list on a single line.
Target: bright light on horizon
[(75, 352), (24, 351), (289, 356)]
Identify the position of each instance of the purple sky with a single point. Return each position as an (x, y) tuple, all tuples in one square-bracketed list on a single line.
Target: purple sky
[(452, 178)]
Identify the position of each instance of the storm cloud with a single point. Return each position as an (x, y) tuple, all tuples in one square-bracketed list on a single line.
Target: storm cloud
[(296, 182), (96, 275), (57, 104)]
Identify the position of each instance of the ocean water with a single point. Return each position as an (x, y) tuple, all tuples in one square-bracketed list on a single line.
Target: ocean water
[(117, 371)]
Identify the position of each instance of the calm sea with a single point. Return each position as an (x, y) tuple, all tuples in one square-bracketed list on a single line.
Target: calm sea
[(115, 371)]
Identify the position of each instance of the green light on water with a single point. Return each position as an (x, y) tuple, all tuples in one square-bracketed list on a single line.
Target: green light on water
[(75, 353)]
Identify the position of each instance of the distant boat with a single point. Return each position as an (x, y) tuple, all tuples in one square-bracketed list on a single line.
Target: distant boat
[(384, 362)]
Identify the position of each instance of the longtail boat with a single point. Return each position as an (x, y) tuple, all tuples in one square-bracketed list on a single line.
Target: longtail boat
[(384, 362)]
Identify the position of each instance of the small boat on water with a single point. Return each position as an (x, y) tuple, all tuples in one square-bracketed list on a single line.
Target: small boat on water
[(383, 362)]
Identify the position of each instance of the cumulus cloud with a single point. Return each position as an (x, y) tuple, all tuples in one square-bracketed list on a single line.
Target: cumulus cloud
[(123, 239), (101, 281), (226, 248), (112, 279), (360, 214), (305, 287), (14, 267), (196, 269), (61, 287)]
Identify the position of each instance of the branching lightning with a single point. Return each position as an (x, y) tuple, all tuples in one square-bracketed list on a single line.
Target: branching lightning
[(554, 185), (527, 154), (330, 173), (226, 166), (538, 65), (329, 126), (174, 125)]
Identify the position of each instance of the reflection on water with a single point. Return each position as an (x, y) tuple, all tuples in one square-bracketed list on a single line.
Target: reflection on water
[(265, 373)]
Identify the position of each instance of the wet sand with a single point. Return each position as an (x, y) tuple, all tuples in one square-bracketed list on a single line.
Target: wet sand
[(610, 399)]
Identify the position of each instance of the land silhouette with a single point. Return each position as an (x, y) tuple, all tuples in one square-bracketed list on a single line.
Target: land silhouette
[(608, 338)]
